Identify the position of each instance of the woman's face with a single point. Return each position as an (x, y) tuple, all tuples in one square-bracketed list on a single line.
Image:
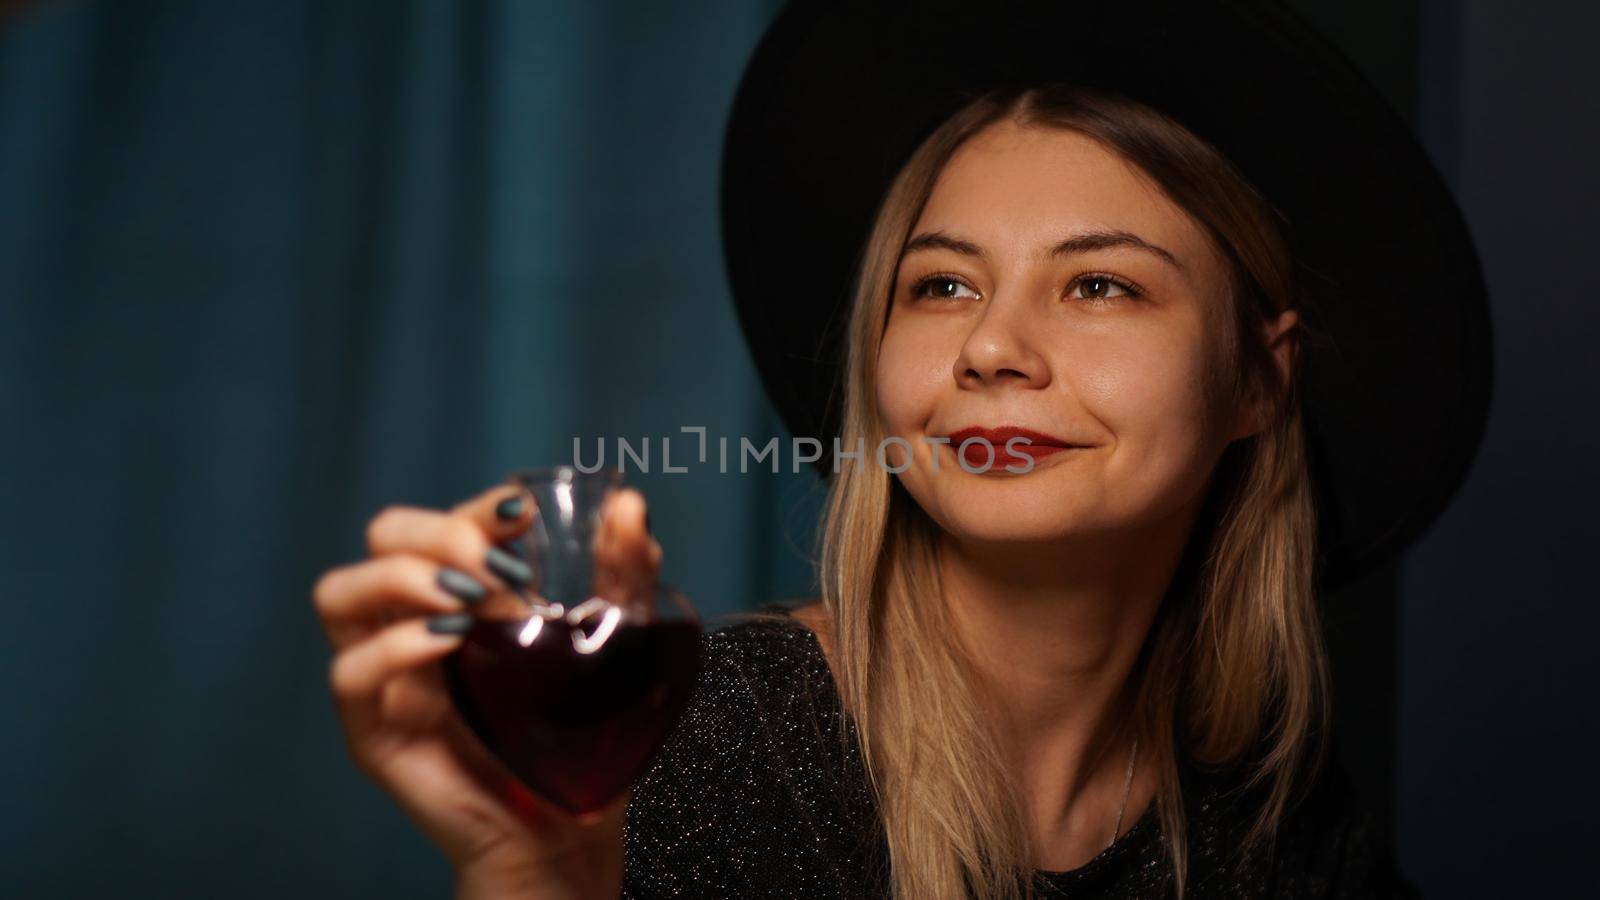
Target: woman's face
[(1048, 286)]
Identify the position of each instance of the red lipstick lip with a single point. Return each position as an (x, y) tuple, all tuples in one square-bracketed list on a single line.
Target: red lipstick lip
[(998, 456), (999, 436)]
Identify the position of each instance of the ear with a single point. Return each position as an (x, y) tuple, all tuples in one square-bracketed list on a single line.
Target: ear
[(1279, 336)]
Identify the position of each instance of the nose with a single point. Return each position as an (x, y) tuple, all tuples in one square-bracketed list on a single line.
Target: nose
[(999, 350)]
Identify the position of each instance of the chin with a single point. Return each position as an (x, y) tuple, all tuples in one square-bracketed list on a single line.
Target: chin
[(987, 532), (1005, 509)]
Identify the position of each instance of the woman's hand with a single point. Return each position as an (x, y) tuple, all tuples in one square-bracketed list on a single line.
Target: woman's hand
[(391, 618)]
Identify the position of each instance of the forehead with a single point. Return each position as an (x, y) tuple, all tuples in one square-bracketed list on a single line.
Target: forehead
[(1018, 189)]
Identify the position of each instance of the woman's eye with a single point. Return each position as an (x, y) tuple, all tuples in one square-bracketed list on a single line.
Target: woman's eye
[(1101, 287), (940, 287)]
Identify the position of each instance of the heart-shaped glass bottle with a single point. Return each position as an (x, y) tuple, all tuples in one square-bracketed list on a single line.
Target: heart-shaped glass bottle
[(576, 697)]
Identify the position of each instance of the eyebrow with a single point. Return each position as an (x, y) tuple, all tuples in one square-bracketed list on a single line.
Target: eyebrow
[(1081, 242)]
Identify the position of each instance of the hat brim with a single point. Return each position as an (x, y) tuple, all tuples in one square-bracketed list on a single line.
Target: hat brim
[(838, 95)]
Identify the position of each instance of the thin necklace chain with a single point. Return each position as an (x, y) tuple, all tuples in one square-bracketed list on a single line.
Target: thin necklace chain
[(1127, 784)]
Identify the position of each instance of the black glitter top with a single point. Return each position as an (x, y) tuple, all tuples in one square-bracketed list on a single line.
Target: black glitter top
[(750, 797)]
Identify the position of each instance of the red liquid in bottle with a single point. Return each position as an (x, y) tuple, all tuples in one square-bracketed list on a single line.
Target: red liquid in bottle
[(576, 728)]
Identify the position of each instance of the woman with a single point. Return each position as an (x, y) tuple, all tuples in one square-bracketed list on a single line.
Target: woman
[(1100, 675)]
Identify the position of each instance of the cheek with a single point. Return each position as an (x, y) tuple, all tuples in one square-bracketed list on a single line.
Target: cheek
[(912, 371), (1141, 386), (1148, 391)]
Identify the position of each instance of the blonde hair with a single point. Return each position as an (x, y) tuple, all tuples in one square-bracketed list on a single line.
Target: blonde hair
[(1233, 670)]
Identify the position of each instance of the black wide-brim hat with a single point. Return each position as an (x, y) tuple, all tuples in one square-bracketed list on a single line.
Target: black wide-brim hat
[(838, 95)]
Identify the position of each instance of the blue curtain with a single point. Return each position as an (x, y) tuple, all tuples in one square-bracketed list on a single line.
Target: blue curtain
[(268, 267)]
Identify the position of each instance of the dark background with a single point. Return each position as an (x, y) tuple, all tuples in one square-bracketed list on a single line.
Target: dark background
[(267, 267)]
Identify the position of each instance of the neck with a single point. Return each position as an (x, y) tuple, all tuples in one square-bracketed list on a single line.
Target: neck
[(1055, 631)]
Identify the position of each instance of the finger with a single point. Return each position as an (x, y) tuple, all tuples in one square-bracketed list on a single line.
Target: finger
[(450, 539), (627, 558), (416, 700), (626, 541), (359, 673), (353, 601), (502, 511)]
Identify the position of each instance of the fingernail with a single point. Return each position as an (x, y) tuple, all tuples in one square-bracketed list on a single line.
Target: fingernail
[(450, 623), (508, 567), (461, 584), (514, 548), (510, 508)]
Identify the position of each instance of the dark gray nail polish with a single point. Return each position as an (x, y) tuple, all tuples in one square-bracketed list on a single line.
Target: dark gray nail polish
[(461, 584), (513, 547), (450, 623), (508, 567), (509, 508)]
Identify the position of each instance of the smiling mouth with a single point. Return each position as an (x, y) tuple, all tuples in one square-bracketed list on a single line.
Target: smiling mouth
[(1033, 445)]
